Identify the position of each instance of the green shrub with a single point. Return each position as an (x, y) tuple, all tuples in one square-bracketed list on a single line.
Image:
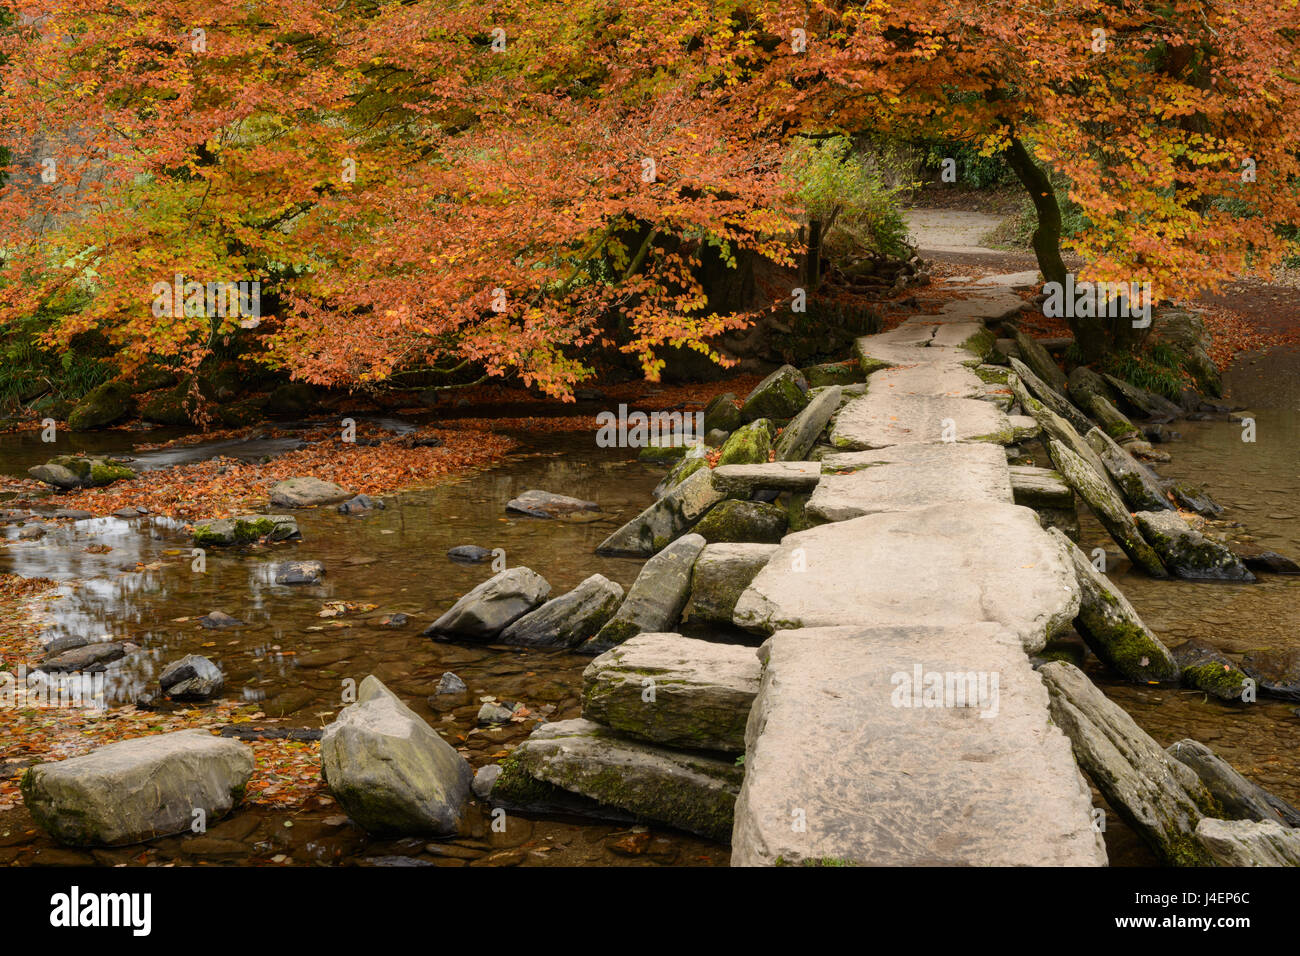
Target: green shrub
[(836, 185)]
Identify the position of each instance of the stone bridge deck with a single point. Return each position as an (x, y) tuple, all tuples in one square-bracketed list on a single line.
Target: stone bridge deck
[(899, 721)]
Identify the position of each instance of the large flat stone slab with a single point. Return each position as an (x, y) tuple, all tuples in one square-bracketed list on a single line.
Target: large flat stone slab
[(885, 417), (907, 477), (845, 763), (674, 690), (952, 565), (741, 481)]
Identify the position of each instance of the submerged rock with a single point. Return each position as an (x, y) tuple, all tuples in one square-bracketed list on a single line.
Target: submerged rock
[(674, 690), (1207, 669), (90, 658), (544, 504), (451, 684), (469, 554), (139, 789), (654, 602), (360, 505), (1276, 671), (220, 619), (570, 619), (1188, 553), (299, 572), (681, 789), (224, 532), (780, 396), (305, 492), (732, 520), (1112, 628), (484, 612), (389, 770), (191, 678)]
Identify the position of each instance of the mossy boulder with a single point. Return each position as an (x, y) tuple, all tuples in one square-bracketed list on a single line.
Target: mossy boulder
[(749, 445), (75, 471), (722, 414), (292, 400), (1207, 669), (752, 521), (833, 373), (720, 575), (227, 532), (101, 406), (1188, 553), (780, 396), (167, 407), (696, 457)]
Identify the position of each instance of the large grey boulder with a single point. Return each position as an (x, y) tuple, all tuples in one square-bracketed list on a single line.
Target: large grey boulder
[(748, 445), (665, 520), (306, 492), (656, 598), (298, 572), (1247, 843), (224, 532), (1112, 628), (570, 619), (544, 504), (488, 609), (722, 414), (1137, 483), (896, 568), (686, 790), (1107, 506), (904, 746), (1049, 495), (1144, 402), (66, 472), (1188, 553), (733, 520), (1238, 797), (1159, 797), (801, 434), (389, 770), (780, 396), (721, 574), (139, 789), (907, 477), (193, 677), (674, 690)]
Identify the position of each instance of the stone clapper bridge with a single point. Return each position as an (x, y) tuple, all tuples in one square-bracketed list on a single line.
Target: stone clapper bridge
[(923, 569)]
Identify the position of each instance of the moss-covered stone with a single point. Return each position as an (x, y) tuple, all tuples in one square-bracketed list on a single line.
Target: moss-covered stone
[(981, 343), (749, 445), (227, 532), (753, 521), (833, 373), (101, 406), (722, 413), (780, 396)]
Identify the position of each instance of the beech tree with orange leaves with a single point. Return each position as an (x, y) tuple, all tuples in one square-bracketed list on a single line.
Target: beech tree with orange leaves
[(424, 188)]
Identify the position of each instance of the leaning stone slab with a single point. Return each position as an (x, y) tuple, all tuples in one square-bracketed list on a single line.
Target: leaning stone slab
[(1159, 797), (488, 609), (306, 492), (665, 520), (570, 619), (224, 532), (1239, 798), (695, 458), (1188, 553), (907, 477), (674, 690), (654, 602), (389, 770), (721, 574), (1053, 399), (139, 789), (801, 434), (1114, 422), (1247, 843), (780, 396), (1041, 362), (748, 445), (1039, 487), (1054, 426), (949, 565), (1108, 507), (846, 763), (741, 481), (1137, 483), (686, 790), (1110, 626), (1147, 403)]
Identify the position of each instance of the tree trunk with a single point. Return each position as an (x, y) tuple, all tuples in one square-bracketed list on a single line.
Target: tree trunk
[(812, 268), (1089, 333)]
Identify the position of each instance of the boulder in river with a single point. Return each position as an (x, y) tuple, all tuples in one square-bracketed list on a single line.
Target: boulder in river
[(451, 684), (139, 789), (780, 396), (220, 619), (544, 504), (1207, 669), (299, 572), (1277, 672), (1112, 628), (1270, 562), (720, 575), (193, 677), (1138, 484), (1239, 798), (654, 602), (360, 505), (1188, 553), (570, 619), (75, 471), (102, 405), (748, 445), (733, 520), (1195, 499), (665, 520), (681, 789), (306, 492), (674, 690), (90, 658), (224, 532), (389, 770), (488, 609)]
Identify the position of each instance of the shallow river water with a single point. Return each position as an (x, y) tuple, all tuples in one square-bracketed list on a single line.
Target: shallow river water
[(293, 663)]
